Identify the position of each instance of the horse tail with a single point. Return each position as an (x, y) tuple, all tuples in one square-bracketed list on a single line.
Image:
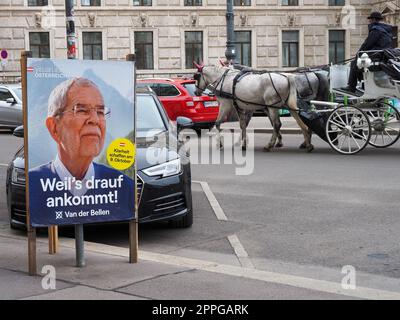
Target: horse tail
[(323, 87), (292, 99), (225, 111)]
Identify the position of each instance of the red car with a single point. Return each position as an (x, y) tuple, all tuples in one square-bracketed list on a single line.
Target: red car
[(179, 99)]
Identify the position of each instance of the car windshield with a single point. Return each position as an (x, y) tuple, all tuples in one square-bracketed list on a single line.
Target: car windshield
[(18, 92), (149, 118)]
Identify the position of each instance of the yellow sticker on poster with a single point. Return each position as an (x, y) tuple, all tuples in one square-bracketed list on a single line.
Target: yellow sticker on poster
[(121, 154)]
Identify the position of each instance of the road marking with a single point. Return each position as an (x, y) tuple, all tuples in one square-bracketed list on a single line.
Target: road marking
[(272, 277), (212, 200), (240, 252), (209, 266), (249, 273)]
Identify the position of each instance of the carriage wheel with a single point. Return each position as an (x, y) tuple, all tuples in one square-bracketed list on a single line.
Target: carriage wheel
[(348, 130), (385, 125)]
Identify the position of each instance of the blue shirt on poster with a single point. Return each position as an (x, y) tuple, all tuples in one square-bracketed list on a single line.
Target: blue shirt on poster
[(108, 196)]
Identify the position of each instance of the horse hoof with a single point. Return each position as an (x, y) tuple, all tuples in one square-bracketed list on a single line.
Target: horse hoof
[(303, 146), (267, 149), (279, 145), (310, 148), (244, 148)]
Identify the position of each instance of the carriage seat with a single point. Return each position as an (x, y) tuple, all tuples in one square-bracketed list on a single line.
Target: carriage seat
[(382, 79), (387, 60)]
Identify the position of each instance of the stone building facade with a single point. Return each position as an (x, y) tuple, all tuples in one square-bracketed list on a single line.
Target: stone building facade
[(279, 34)]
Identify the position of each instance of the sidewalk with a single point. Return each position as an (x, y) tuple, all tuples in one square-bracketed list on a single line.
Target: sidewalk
[(108, 275), (263, 125)]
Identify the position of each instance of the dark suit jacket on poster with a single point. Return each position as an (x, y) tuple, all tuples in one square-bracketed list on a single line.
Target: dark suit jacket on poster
[(42, 215)]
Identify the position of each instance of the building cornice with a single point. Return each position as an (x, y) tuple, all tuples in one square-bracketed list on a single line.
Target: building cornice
[(186, 9)]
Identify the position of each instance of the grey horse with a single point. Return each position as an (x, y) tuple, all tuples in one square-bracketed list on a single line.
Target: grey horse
[(308, 85)]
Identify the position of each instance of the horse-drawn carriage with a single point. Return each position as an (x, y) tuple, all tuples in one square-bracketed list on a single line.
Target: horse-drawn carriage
[(369, 116), (348, 122)]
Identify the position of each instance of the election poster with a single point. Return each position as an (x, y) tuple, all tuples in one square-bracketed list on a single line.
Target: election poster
[(81, 141)]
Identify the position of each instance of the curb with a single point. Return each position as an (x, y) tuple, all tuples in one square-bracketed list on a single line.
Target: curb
[(239, 272)]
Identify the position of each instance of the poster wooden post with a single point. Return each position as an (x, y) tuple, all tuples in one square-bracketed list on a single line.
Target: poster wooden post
[(32, 265), (133, 224), (53, 239)]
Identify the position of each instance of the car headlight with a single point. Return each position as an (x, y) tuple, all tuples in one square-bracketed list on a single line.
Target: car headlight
[(18, 176), (167, 169)]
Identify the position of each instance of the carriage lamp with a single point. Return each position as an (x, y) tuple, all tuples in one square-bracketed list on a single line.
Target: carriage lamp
[(364, 62)]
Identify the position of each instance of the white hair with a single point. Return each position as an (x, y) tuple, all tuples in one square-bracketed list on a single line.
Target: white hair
[(58, 97)]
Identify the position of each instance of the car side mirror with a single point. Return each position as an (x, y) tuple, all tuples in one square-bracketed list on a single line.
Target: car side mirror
[(11, 101), (183, 123), (19, 132)]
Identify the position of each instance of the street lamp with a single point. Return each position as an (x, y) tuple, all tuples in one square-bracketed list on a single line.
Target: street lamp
[(71, 54), (71, 37), (230, 52)]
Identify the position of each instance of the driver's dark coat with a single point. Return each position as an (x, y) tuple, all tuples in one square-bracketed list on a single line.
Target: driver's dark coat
[(380, 37)]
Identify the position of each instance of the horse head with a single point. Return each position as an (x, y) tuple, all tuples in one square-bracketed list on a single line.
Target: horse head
[(199, 66), (201, 85)]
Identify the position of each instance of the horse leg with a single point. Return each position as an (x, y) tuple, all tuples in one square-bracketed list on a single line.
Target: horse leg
[(293, 108), (276, 125), (225, 106), (279, 144), (304, 145), (306, 132), (220, 141), (244, 120)]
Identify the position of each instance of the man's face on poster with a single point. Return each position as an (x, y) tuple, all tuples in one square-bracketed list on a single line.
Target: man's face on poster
[(81, 126)]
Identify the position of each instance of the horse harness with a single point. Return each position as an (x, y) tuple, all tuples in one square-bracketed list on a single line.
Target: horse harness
[(238, 77)]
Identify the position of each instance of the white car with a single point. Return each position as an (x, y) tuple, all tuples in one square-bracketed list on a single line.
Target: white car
[(10, 106)]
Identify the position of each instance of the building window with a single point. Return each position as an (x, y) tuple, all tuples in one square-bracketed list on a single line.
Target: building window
[(193, 47), (337, 46), (92, 45), (193, 2), (142, 2), (37, 3), (242, 2), (290, 48), (290, 2), (39, 44), (337, 2), (91, 3), (144, 49), (243, 47)]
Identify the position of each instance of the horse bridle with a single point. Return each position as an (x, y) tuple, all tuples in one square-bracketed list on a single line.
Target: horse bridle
[(211, 86), (198, 76)]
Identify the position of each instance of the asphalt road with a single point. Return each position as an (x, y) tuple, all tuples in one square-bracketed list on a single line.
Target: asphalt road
[(320, 211)]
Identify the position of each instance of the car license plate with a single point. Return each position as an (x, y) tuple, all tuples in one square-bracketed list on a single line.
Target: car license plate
[(209, 104)]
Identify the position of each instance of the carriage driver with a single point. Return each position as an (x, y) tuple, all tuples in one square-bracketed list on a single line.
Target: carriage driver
[(380, 37)]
